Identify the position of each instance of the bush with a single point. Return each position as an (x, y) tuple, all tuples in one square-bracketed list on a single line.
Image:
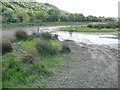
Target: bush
[(90, 25), (46, 35), (107, 25), (20, 35), (6, 47), (45, 48)]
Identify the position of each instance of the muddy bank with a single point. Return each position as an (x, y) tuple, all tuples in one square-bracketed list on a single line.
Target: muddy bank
[(87, 66)]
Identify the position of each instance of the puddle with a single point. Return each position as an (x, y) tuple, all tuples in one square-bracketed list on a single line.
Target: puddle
[(108, 40)]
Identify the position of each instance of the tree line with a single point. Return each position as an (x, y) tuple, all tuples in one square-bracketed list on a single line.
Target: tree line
[(17, 12)]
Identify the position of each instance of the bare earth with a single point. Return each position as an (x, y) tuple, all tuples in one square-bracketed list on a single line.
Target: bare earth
[(88, 66)]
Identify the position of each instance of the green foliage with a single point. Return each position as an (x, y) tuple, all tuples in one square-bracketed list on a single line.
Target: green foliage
[(18, 74), (8, 15), (22, 16), (105, 25), (93, 18), (64, 18), (20, 35), (54, 15), (38, 13), (86, 29), (45, 48), (41, 16)]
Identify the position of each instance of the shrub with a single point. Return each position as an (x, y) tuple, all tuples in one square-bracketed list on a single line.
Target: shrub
[(65, 49), (20, 35), (107, 25), (45, 48), (46, 35), (6, 47), (90, 25)]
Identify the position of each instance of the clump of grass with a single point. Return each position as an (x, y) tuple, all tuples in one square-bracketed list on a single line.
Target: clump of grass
[(40, 69), (21, 35), (6, 46), (45, 48)]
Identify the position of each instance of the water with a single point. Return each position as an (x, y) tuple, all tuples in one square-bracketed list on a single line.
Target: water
[(108, 40)]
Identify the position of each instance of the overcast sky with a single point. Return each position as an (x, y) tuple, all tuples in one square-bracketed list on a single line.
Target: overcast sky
[(107, 8)]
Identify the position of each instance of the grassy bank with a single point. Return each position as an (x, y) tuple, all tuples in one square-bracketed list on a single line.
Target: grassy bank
[(31, 24), (25, 67), (86, 29)]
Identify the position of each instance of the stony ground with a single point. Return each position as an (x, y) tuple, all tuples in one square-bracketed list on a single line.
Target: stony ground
[(87, 66)]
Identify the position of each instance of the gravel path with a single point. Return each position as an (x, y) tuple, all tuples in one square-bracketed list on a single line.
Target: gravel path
[(87, 66)]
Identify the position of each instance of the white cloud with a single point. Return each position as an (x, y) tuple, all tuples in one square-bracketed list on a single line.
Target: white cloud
[(108, 8)]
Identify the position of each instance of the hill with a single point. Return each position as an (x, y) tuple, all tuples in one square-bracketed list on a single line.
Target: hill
[(20, 12)]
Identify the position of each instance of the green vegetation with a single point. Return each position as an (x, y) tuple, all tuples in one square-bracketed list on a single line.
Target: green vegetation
[(86, 29), (29, 60), (22, 14), (33, 24), (104, 25), (45, 48), (27, 66)]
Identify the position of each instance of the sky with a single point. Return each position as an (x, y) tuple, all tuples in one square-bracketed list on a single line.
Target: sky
[(107, 8)]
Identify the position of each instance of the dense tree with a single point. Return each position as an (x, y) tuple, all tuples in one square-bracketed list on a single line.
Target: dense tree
[(7, 14), (109, 19), (71, 17), (22, 16), (79, 17), (13, 12), (42, 16), (64, 17), (54, 15)]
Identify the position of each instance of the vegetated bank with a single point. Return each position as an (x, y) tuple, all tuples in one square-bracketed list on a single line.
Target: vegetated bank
[(30, 60), (106, 27), (36, 24)]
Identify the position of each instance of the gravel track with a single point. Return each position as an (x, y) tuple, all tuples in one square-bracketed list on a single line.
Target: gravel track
[(87, 66)]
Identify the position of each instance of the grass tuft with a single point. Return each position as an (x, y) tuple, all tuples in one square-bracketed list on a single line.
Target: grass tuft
[(45, 48)]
